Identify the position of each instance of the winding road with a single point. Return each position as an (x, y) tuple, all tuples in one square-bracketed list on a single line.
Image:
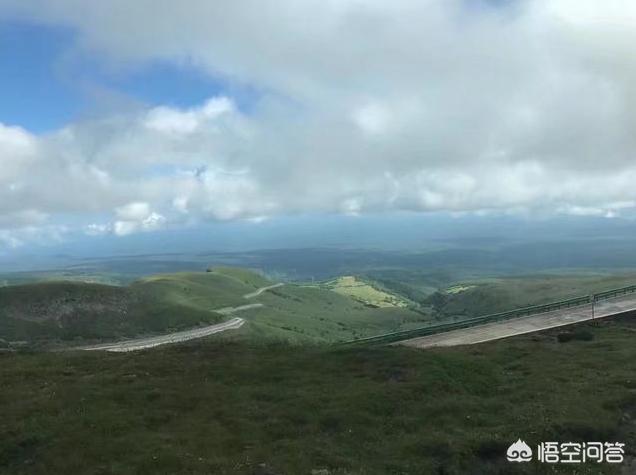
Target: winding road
[(177, 337), (261, 290), (185, 335)]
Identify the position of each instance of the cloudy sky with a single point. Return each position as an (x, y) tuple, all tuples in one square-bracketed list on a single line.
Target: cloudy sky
[(133, 116)]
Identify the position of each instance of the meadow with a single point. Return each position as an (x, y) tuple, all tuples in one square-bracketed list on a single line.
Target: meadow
[(247, 407), (71, 312), (363, 291)]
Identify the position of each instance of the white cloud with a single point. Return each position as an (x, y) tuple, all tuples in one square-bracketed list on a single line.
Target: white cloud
[(123, 228), (42, 234), (135, 217), (136, 211), (17, 149), (96, 229), (368, 106), (178, 122), (153, 221), (371, 118), (165, 119)]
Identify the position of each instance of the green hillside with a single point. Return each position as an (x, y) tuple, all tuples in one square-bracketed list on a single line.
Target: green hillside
[(244, 276), (310, 314), (484, 296), (68, 311), (219, 407), (74, 312)]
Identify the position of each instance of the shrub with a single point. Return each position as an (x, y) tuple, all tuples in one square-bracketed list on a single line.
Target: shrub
[(581, 335)]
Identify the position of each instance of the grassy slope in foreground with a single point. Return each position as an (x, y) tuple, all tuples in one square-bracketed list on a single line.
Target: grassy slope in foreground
[(74, 310), (227, 407)]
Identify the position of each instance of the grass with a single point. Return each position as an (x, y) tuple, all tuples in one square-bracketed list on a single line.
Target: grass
[(484, 296), (300, 314), (77, 311), (70, 275), (74, 312), (245, 276), (456, 289), (342, 309), (364, 292), (239, 407)]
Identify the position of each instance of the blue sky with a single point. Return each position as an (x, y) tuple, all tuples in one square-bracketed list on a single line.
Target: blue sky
[(35, 94), (48, 82), (114, 122)]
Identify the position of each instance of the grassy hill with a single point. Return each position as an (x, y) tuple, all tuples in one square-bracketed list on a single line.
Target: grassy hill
[(70, 312), (483, 296), (336, 310), (239, 407), (311, 314)]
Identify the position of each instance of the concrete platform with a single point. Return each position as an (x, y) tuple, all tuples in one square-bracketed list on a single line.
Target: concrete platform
[(519, 326)]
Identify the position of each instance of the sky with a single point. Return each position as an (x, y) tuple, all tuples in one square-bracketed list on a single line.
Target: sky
[(144, 116)]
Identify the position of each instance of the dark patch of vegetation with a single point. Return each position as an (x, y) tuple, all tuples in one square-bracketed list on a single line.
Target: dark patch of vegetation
[(490, 450), (578, 335)]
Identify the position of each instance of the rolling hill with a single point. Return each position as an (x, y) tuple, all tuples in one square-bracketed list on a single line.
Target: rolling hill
[(71, 311), (76, 312)]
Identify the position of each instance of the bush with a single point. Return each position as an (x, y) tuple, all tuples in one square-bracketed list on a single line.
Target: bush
[(492, 449), (581, 335)]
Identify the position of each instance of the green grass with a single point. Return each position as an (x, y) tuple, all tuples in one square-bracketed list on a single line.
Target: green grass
[(485, 296), (76, 312), (246, 408), (73, 311), (302, 314), (456, 289), (245, 276), (363, 291), (70, 275)]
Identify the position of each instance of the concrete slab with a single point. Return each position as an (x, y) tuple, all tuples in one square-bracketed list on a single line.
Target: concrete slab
[(520, 326)]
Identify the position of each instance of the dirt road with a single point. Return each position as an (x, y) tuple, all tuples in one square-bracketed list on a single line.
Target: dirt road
[(240, 308), (261, 290)]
